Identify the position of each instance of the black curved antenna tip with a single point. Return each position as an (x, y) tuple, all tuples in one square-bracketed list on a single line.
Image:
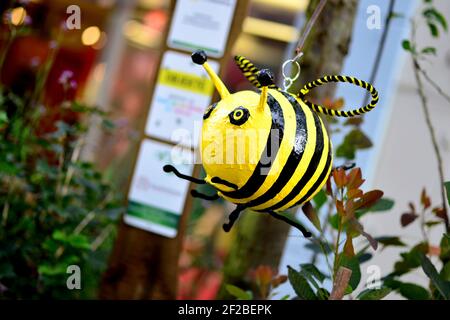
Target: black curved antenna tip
[(265, 77), (199, 57), (167, 168)]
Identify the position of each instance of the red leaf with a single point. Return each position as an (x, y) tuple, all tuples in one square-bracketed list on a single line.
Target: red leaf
[(339, 177), (349, 251), (368, 199), (408, 218), (412, 207), (425, 199), (440, 212), (355, 179), (278, 280), (340, 208), (354, 193), (329, 190), (311, 214), (349, 209), (357, 228)]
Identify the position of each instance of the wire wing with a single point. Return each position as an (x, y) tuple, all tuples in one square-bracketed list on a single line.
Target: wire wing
[(250, 72)]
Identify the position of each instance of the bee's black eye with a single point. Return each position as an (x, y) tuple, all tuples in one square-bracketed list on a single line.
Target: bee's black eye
[(209, 110), (239, 116)]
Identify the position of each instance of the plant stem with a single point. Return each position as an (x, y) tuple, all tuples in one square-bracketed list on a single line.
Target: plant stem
[(309, 25), (434, 84), (422, 226), (5, 51), (338, 239), (432, 131), (102, 237), (340, 283)]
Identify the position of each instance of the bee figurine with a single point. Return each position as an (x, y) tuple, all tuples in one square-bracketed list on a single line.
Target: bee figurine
[(287, 156)]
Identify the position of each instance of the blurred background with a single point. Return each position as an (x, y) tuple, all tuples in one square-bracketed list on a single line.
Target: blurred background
[(112, 63)]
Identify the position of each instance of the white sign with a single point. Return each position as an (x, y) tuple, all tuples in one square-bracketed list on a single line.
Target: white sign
[(202, 24), (156, 198), (183, 92)]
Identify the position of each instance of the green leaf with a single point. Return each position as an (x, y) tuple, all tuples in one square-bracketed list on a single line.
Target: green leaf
[(410, 259), (322, 248), (319, 199), (374, 294), (447, 188), (52, 270), (438, 282), (390, 241), (238, 292), (78, 241), (59, 235), (433, 15), (382, 205), (429, 50), (334, 221), (433, 29), (312, 270), (3, 117), (351, 263), (430, 224), (8, 168), (300, 285), (364, 257), (355, 139), (445, 272), (6, 271), (445, 248), (406, 44), (311, 274), (323, 294), (413, 291)]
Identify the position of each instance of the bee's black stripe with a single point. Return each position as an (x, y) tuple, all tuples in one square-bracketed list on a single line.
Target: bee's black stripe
[(312, 167), (268, 156), (294, 157), (320, 180)]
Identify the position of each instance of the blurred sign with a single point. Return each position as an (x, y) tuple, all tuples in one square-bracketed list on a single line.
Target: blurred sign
[(183, 91), (202, 24), (156, 199)]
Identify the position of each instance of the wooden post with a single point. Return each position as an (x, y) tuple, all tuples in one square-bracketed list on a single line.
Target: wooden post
[(144, 265)]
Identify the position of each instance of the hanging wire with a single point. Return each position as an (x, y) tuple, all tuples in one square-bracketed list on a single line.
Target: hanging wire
[(309, 25), (288, 80)]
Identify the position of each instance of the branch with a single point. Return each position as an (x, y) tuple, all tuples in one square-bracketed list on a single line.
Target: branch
[(432, 131), (434, 84), (309, 25), (340, 283)]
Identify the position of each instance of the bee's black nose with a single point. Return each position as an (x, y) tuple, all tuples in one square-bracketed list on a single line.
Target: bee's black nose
[(199, 57), (265, 77)]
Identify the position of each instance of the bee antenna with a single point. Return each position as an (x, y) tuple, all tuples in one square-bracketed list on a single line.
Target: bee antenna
[(199, 57), (265, 78)]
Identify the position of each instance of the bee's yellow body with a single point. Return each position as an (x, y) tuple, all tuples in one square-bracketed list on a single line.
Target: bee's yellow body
[(291, 175), (267, 150)]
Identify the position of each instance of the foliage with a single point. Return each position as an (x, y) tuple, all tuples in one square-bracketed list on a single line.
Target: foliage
[(56, 209), (429, 216), (416, 258), (349, 203)]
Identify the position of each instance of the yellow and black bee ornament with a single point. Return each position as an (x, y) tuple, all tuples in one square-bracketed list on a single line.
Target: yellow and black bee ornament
[(285, 155)]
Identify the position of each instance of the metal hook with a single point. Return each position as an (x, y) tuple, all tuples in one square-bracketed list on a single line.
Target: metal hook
[(288, 80)]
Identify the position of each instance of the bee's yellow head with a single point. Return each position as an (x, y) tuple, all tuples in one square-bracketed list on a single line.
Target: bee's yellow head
[(235, 131)]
